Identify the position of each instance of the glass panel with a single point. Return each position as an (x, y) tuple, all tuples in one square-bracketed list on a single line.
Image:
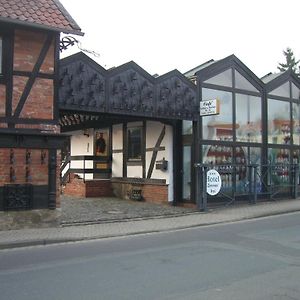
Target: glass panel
[(279, 170), (296, 123), (186, 172), (0, 55), (295, 92), (295, 157), (278, 122), (218, 127), (283, 90), (244, 157), (248, 118), (187, 127), (223, 79), (220, 155), (134, 143), (242, 83)]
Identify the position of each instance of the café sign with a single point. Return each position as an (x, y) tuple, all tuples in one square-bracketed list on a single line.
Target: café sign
[(209, 107)]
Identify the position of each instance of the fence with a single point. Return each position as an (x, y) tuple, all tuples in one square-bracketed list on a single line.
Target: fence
[(248, 182), (86, 166)]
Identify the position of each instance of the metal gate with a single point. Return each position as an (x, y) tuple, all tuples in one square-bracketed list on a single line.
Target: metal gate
[(248, 182)]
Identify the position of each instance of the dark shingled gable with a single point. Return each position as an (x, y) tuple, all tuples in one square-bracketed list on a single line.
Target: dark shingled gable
[(47, 14)]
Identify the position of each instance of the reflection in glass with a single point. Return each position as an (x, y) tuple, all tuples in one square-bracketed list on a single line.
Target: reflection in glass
[(218, 127), (242, 83), (282, 91), (186, 172), (278, 122), (221, 158), (187, 127), (279, 169), (248, 118), (134, 142), (223, 79), (296, 123), (246, 156), (295, 92)]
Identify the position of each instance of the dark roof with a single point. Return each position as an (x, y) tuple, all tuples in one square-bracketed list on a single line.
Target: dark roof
[(45, 14), (127, 90), (270, 76), (192, 72)]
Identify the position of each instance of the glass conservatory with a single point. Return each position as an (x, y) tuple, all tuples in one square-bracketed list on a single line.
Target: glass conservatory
[(254, 141)]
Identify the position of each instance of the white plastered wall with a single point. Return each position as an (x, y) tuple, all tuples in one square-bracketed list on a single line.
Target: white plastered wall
[(153, 131)]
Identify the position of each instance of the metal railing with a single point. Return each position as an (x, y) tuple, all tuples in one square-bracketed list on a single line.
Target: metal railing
[(66, 168), (250, 182)]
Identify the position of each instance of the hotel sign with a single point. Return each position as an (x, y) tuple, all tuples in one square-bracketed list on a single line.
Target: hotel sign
[(213, 182), (209, 107)]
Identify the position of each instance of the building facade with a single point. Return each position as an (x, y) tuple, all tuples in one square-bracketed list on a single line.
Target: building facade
[(155, 135), (29, 131)]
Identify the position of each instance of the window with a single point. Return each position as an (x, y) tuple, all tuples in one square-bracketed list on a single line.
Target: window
[(218, 127), (1, 56), (134, 142), (279, 122), (223, 79), (248, 118)]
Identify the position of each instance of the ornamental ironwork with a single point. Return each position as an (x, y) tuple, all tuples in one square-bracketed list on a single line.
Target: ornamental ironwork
[(17, 196)]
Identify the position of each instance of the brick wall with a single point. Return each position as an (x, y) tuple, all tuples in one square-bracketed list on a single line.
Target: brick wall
[(39, 104), (27, 47), (151, 192), (90, 188), (13, 161), (2, 100), (155, 193)]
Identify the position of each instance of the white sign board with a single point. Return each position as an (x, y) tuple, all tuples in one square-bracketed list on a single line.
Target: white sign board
[(209, 107), (213, 182)]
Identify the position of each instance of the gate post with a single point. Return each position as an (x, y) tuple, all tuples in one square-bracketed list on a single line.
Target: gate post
[(204, 194), (201, 197), (255, 184), (295, 181)]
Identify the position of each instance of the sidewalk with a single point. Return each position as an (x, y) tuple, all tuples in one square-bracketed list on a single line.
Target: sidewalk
[(43, 236)]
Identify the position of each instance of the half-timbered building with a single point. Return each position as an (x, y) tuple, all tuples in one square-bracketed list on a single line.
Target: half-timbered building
[(125, 128), (29, 129)]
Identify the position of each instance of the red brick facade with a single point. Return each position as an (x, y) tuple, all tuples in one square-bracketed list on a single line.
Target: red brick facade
[(155, 193), (151, 192), (39, 105), (33, 171), (91, 188)]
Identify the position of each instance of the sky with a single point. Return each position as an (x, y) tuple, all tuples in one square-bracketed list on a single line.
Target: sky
[(163, 35)]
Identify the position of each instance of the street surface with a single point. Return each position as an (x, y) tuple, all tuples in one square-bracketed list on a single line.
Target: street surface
[(257, 259)]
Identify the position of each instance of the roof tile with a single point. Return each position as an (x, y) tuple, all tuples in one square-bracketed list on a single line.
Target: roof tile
[(49, 13)]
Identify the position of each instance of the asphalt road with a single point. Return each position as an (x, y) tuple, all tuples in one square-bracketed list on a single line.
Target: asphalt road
[(257, 259)]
